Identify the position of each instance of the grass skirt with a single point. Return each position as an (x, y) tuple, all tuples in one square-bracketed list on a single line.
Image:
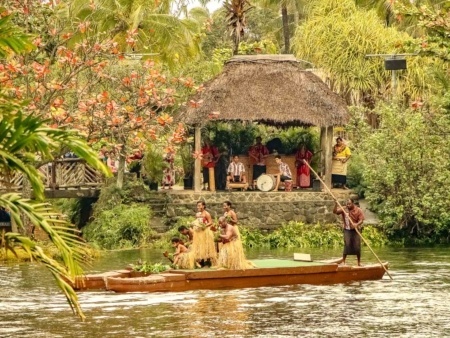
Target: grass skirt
[(203, 246), (186, 261), (232, 255)]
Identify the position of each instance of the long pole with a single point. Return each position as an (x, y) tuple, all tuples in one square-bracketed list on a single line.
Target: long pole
[(353, 224)]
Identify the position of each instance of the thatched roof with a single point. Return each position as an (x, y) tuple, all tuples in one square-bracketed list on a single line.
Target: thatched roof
[(273, 89)]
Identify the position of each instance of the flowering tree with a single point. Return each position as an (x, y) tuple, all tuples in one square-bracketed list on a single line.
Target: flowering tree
[(23, 139), (89, 85)]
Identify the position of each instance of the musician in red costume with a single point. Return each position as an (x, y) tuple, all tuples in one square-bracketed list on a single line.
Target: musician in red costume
[(302, 158), (210, 157)]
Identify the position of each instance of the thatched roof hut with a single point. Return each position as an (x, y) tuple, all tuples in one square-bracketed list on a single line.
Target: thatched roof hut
[(272, 89)]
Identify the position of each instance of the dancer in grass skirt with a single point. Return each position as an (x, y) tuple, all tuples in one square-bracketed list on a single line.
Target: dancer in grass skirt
[(203, 247), (231, 255), (183, 257)]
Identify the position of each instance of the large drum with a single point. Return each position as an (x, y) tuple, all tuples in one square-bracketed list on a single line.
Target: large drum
[(266, 182)]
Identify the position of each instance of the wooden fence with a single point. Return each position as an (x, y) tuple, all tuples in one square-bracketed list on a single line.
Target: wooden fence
[(70, 173)]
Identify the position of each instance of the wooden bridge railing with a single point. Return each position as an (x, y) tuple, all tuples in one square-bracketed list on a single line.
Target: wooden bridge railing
[(61, 174)]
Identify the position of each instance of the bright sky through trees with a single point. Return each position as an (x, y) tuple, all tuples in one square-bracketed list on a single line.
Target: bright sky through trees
[(213, 5)]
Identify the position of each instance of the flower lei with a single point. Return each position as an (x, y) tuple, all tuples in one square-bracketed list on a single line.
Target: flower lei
[(338, 149)]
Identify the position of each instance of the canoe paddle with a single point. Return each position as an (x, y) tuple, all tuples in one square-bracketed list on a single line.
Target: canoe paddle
[(348, 217)]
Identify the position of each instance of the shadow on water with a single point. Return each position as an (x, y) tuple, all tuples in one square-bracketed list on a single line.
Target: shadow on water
[(414, 304)]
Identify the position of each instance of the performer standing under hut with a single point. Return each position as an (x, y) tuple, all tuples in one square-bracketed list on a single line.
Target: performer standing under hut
[(210, 157), (341, 154), (231, 255), (169, 171), (258, 154), (302, 158), (352, 240), (203, 247)]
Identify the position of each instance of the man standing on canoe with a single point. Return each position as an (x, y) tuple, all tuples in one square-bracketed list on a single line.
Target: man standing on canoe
[(353, 219)]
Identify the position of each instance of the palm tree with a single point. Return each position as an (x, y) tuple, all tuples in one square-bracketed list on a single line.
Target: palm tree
[(236, 19), (294, 6), (24, 140), (336, 37), (154, 29)]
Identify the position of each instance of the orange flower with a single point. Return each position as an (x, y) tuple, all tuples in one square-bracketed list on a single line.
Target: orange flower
[(195, 104), (164, 119), (198, 155), (58, 102), (416, 104)]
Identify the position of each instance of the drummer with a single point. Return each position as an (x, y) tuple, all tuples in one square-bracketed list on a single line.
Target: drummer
[(284, 173)]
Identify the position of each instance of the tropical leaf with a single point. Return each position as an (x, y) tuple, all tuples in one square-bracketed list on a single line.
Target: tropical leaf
[(12, 38), (63, 235), (25, 140)]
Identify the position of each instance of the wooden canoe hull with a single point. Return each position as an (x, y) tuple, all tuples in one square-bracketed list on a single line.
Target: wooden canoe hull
[(98, 281), (185, 280)]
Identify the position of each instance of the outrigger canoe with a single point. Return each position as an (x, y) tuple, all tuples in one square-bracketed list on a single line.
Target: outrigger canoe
[(268, 272)]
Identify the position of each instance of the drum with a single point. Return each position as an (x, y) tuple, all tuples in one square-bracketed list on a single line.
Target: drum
[(266, 182)]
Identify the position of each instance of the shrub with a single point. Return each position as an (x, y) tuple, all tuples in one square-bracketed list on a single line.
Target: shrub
[(300, 235), (123, 226)]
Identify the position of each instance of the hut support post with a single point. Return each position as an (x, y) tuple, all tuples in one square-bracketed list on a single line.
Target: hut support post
[(323, 148), (326, 145), (197, 163)]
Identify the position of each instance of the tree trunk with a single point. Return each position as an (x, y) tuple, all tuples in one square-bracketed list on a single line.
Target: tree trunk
[(197, 163), (27, 192), (236, 41), (121, 169), (284, 16)]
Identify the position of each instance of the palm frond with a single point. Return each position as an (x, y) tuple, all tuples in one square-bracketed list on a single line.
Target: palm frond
[(25, 139), (12, 39), (59, 272), (63, 235)]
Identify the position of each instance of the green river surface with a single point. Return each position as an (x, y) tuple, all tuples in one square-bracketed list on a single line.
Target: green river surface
[(416, 303)]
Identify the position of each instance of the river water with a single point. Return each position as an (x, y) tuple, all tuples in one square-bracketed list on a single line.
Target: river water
[(416, 303)]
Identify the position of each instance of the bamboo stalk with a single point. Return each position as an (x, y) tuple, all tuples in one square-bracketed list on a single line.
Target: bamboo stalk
[(346, 214)]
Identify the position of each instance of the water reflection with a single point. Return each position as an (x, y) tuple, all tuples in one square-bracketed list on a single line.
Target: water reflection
[(414, 304)]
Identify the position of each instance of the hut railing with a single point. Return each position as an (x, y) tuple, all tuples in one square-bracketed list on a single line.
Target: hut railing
[(59, 174)]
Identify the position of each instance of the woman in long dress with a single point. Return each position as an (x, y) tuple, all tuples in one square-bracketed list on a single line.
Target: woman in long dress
[(303, 157), (341, 154), (169, 171)]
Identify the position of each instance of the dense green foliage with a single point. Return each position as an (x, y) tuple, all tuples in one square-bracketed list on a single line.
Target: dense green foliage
[(124, 226), (300, 235), (289, 235), (149, 268), (238, 136), (337, 37), (406, 170), (119, 219)]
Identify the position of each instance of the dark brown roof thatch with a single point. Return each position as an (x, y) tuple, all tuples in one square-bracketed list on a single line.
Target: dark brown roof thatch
[(273, 89)]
